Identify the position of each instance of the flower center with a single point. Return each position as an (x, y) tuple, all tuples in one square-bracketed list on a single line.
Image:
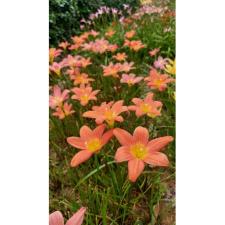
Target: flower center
[(110, 117), (145, 108), (94, 145), (84, 98), (139, 151)]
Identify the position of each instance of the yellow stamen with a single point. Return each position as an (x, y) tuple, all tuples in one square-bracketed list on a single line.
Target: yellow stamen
[(139, 151), (110, 118), (145, 108), (94, 145), (84, 98)]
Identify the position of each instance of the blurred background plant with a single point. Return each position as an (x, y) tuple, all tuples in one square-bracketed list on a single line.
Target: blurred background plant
[(65, 15)]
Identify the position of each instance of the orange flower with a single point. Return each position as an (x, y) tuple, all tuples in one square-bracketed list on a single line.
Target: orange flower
[(130, 34), (64, 45), (63, 111), (99, 46), (84, 94), (138, 150), (111, 69), (158, 81), (76, 61), (146, 106), (78, 40), (56, 218), (134, 45), (110, 33), (90, 142), (120, 56), (58, 97), (154, 52), (112, 48), (81, 78), (56, 68), (108, 112), (53, 53)]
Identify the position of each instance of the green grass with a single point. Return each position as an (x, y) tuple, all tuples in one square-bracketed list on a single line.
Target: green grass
[(100, 184)]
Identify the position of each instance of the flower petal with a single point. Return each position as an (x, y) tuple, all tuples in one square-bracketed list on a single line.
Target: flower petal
[(157, 159), (56, 218), (135, 168), (85, 132), (123, 136), (123, 154), (107, 136), (77, 218), (137, 101), (141, 135), (76, 142), (80, 157), (98, 131), (159, 143), (91, 114)]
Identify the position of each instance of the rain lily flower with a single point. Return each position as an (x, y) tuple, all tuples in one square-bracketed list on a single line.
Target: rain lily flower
[(56, 68), (63, 111), (130, 79), (78, 40), (84, 94), (53, 53), (110, 33), (130, 34), (171, 67), (93, 33), (154, 52), (114, 11), (120, 56), (160, 63), (58, 97), (134, 45), (126, 6), (81, 78), (64, 45), (146, 106), (126, 67), (111, 69), (77, 61), (109, 112), (158, 81), (90, 142), (138, 150), (56, 218), (112, 48)]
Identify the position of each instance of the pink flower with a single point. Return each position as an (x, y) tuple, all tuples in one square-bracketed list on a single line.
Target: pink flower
[(160, 63), (56, 218), (130, 79), (53, 53), (58, 97), (56, 68)]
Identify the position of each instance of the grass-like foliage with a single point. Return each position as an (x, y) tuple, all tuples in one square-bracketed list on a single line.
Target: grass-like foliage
[(112, 119)]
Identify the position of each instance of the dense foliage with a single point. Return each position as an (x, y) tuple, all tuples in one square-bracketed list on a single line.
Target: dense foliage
[(65, 15)]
